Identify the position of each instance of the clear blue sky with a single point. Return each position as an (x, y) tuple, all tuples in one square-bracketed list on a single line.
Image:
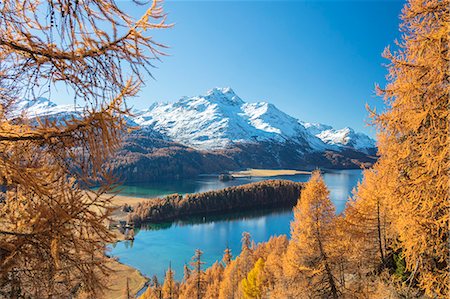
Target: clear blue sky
[(316, 60)]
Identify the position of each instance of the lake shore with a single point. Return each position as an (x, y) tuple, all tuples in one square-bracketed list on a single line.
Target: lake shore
[(120, 200), (266, 172), (116, 282)]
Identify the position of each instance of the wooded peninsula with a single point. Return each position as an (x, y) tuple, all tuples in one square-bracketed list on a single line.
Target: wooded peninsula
[(270, 193)]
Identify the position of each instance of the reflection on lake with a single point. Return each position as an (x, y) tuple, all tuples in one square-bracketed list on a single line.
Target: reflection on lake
[(158, 244)]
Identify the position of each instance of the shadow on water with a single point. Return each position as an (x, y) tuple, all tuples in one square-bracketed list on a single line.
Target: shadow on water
[(214, 218)]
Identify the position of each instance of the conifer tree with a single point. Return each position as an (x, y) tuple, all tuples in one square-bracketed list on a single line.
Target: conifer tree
[(367, 223), (245, 260), (127, 290), (246, 241), (308, 256), (414, 142), (186, 273), (169, 284), (213, 277), (252, 285), (230, 281), (52, 234), (155, 281), (197, 263), (273, 265), (227, 256)]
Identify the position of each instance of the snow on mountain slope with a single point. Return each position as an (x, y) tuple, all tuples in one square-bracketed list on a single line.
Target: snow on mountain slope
[(42, 107), (347, 137), (316, 128), (344, 137), (220, 118)]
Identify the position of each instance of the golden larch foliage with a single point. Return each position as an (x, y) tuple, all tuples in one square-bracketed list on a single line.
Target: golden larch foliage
[(168, 288), (53, 231), (252, 285), (308, 258), (414, 143), (367, 223)]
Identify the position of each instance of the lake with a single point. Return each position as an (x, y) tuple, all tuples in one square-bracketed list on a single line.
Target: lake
[(157, 245)]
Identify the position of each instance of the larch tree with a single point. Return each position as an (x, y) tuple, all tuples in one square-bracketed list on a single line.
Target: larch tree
[(168, 288), (366, 224), (252, 285), (273, 264), (198, 273), (213, 277), (52, 234), (413, 142), (246, 260), (308, 257), (186, 273), (127, 293), (230, 281), (227, 256), (153, 291)]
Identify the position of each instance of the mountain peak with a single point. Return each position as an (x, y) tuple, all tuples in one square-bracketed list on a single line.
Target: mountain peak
[(37, 102), (42, 107), (221, 90), (224, 95), (347, 137)]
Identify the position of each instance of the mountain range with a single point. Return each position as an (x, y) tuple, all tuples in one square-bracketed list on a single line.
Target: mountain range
[(218, 132)]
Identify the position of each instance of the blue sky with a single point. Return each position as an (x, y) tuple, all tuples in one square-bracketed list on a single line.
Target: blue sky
[(316, 60)]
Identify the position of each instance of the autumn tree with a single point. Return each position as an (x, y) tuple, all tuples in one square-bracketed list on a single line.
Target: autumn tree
[(414, 143), (363, 234), (213, 277), (168, 288), (197, 264), (127, 293), (186, 273), (230, 281), (153, 291), (245, 260), (252, 285), (227, 256), (273, 264), (52, 232), (367, 217), (308, 258)]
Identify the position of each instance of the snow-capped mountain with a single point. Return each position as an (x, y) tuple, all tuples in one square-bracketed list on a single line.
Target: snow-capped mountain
[(221, 119), (345, 137), (42, 107), (348, 137), (217, 132)]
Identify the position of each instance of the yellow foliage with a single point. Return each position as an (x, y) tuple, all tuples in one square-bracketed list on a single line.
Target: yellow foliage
[(168, 288), (367, 222), (252, 285), (53, 232), (308, 257), (414, 143)]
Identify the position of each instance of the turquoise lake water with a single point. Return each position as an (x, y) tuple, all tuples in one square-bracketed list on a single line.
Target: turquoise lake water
[(157, 245)]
